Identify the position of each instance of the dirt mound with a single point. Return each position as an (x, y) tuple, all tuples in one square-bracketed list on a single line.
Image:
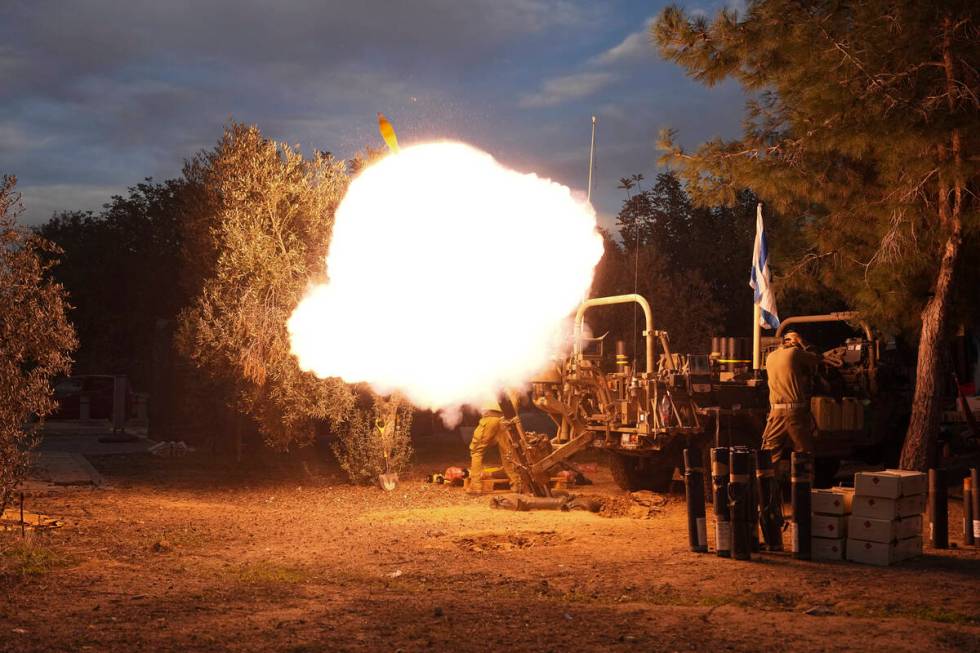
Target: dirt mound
[(483, 542)]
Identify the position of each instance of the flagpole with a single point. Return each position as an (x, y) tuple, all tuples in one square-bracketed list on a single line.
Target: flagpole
[(756, 329)]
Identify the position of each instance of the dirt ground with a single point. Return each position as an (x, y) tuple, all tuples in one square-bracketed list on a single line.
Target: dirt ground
[(181, 555)]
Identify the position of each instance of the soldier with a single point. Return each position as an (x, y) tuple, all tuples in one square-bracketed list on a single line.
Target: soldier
[(491, 430), (792, 372)]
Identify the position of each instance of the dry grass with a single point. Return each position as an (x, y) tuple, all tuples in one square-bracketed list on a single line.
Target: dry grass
[(29, 556)]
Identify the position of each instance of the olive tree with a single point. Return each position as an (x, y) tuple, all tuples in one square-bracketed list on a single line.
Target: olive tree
[(36, 338)]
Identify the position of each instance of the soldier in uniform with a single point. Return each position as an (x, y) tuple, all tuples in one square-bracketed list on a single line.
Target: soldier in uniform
[(792, 371), (491, 430)]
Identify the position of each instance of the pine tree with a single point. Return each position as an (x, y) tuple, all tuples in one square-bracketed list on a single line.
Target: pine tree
[(863, 123)]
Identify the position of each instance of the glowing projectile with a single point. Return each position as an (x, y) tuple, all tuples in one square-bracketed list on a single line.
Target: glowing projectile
[(388, 133)]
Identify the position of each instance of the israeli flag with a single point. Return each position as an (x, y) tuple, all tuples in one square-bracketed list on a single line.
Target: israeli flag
[(761, 279)]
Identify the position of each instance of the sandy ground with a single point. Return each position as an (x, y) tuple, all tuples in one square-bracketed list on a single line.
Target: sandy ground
[(178, 555)]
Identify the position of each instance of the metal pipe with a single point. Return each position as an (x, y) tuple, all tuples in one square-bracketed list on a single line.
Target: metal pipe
[(840, 316), (617, 299)]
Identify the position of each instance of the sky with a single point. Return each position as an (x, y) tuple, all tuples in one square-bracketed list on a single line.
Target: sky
[(96, 95)]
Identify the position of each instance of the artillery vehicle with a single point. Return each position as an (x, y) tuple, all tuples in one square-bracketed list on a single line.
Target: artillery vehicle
[(644, 418)]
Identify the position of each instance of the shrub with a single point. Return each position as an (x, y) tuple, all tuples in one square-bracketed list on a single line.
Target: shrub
[(360, 444)]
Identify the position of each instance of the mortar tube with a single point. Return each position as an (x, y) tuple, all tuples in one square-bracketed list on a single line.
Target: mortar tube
[(802, 483), (719, 486), (968, 512), (739, 496), (697, 529), (938, 509)]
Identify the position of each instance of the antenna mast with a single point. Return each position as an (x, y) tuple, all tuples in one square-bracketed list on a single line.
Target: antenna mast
[(591, 159)]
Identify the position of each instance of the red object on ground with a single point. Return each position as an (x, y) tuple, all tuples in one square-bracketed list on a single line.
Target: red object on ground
[(455, 474)]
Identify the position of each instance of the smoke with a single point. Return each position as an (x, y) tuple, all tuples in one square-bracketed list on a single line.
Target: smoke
[(450, 277)]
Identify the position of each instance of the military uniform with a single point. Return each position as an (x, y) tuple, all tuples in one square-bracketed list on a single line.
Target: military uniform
[(491, 430), (791, 372)]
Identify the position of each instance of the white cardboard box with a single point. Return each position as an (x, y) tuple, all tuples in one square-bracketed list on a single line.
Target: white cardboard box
[(823, 548), (890, 484), (832, 526), (883, 530), (910, 547), (882, 508), (836, 501), (872, 553)]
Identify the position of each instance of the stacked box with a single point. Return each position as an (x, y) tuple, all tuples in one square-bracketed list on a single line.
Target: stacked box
[(886, 516), (831, 509)]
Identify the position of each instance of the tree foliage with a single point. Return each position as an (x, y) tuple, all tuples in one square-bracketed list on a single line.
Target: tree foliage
[(120, 269), (36, 338), (259, 236), (684, 258), (863, 126)]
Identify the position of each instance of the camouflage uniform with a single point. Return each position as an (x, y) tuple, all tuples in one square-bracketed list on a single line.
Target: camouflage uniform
[(491, 430), (791, 372)]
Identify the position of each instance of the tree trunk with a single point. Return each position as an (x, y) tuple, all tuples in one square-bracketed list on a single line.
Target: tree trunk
[(919, 451)]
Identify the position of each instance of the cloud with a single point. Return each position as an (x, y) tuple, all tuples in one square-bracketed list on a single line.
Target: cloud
[(596, 74), (41, 202), (635, 46), (559, 90), (98, 97)]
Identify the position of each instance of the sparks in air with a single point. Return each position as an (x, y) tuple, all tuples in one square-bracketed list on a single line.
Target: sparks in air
[(450, 277)]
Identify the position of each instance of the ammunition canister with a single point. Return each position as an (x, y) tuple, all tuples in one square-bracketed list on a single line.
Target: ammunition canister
[(753, 505), (770, 501), (697, 529), (975, 496), (802, 483), (719, 487), (739, 495), (968, 511), (938, 510)]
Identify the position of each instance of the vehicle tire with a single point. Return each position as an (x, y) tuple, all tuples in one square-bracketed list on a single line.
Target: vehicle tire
[(634, 473)]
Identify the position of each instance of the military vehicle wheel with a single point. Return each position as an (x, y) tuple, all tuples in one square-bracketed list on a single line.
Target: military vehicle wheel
[(634, 473)]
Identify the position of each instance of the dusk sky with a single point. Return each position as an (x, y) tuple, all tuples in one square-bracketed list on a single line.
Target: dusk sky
[(97, 95)]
